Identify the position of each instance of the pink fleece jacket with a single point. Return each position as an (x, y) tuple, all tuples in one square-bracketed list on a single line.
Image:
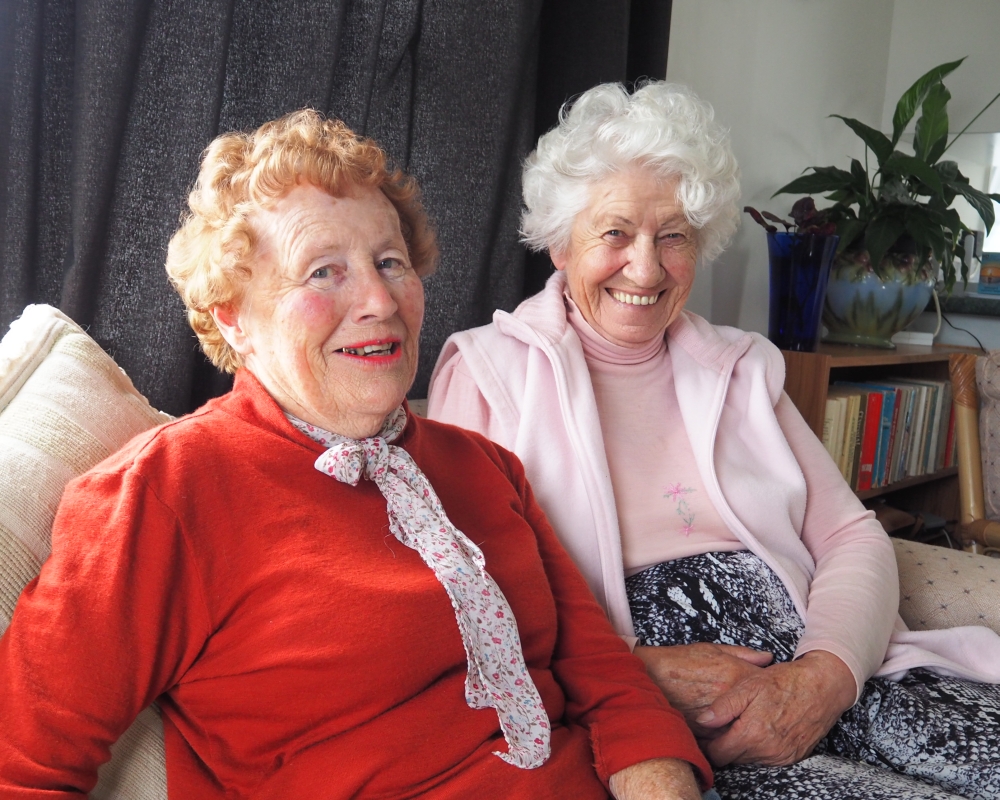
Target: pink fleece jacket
[(531, 373)]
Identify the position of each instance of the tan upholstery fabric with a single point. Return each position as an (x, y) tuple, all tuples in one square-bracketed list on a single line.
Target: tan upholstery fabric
[(64, 406), (988, 383), (942, 588)]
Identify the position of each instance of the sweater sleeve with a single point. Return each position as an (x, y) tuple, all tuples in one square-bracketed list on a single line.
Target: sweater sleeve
[(606, 687), (113, 620), (856, 579)]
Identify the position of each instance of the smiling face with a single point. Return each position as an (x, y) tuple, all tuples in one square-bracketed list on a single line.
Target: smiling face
[(330, 321), (631, 258)]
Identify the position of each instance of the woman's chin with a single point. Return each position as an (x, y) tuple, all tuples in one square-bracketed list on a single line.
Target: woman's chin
[(633, 333)]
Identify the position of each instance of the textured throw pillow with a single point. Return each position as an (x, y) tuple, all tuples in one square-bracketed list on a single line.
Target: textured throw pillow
[(943, 588), (988, 383), (64, 406)]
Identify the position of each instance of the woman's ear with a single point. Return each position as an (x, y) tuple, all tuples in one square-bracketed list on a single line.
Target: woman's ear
[(230, 325), (558, 259)]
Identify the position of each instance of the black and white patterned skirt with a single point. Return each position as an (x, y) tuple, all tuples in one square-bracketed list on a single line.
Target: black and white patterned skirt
[(926, 736)]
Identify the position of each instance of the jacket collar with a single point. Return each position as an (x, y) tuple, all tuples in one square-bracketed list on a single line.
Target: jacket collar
[(544, 317)]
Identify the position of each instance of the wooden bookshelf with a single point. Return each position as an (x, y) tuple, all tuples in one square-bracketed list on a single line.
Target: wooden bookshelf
[(808, 378)]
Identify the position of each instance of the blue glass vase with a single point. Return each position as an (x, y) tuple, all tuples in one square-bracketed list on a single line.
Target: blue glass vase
[(799, 267)]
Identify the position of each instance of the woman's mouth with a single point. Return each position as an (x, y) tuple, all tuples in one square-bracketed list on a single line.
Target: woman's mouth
[(634, 299), (372, 351)]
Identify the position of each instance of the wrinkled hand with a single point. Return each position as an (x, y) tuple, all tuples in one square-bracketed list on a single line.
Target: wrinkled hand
[(693, 676), (778, 715), (656, 779)]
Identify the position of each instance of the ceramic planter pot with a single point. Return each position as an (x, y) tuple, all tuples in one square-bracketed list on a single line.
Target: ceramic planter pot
[(862, 308)]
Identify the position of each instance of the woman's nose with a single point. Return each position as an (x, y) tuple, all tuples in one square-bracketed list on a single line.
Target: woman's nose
[(372, 300), (643, 268)]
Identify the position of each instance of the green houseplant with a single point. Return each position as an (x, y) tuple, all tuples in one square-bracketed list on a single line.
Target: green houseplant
[(895, 218)]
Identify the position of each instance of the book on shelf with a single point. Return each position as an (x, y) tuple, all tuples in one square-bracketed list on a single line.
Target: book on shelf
[(840, 428), (880, 432), (938, 394), (859, 432), (917, 434), (884, 437), (869, 439), (851, 439)]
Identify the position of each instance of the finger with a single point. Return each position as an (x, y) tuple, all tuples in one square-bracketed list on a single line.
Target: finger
[(760, 658), (724, 749), (728, 706)]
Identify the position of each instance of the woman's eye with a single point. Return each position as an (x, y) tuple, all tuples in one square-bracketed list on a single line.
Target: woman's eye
[(391, 266), (614, 233), (322, 272)]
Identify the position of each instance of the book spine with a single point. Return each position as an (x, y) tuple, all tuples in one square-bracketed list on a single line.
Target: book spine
[(829, 421), (869, 442), (916, 433), (904, 447), (851, 437), (935, 424), (882, 449), (891, 449), (859, 433)]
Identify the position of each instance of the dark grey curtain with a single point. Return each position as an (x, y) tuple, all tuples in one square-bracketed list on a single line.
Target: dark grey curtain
[(106, 105)]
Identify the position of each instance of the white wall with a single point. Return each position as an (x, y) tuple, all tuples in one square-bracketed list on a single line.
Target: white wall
[(775, 70), (948, 31), (926, 33)]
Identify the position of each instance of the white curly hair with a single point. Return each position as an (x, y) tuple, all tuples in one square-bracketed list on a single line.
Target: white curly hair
[(662, 126)]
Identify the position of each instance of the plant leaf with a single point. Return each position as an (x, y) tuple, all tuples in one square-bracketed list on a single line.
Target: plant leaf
[(775, 218), (894, 190), (925, 231), (753, 212), (881, 234), (823, 179), (979, 201), (948, 170), (914, 96), (845, 196), (931, 132), (860, 176), (849, 230), (877, 141), (911, 166)]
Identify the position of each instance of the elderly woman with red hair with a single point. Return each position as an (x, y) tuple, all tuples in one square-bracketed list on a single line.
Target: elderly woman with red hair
[(327, 596)]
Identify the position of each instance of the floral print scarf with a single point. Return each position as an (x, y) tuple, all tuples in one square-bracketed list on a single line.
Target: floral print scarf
[(497, 676)]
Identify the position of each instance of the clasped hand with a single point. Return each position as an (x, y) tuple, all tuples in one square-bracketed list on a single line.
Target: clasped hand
[(744, 711)]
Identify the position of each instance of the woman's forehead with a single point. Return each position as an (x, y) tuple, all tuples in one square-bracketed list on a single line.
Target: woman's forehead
[(308, 222)]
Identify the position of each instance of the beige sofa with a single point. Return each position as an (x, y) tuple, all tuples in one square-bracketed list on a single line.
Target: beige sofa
[(65, 405)]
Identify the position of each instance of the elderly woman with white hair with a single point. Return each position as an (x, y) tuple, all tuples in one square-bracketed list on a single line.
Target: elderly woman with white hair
[(707, 518)]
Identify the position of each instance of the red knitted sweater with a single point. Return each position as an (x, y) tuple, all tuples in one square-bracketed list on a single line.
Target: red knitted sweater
[(295, 647)]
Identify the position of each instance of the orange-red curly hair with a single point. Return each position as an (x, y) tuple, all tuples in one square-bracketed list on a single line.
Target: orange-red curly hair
[(210, 257)]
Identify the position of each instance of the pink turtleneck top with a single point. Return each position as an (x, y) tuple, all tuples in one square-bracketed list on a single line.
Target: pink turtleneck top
[(664, 512)]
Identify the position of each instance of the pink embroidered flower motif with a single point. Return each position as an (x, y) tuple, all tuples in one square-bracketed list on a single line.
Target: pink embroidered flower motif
[(676, 493), (497, 676)]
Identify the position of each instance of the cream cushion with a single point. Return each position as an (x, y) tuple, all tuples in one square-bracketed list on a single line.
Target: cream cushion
[(943, 588), (64, 406)]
